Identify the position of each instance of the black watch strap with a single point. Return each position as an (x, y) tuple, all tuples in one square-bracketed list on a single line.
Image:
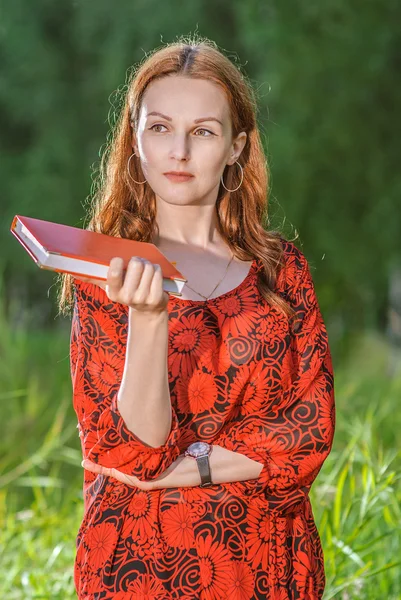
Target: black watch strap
[(204, 470)]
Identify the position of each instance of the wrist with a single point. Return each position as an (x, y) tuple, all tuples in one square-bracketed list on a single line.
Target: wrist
[(191, 471), (145, 324), (147, 315), (199, 452)]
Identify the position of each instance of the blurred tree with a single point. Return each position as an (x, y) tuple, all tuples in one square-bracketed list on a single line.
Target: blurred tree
[(327, 77), (334, 132)]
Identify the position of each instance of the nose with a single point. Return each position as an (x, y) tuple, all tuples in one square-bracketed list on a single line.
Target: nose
[(181, 147)]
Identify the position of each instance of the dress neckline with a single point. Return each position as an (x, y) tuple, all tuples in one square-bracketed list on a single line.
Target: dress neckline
[(229, 293)]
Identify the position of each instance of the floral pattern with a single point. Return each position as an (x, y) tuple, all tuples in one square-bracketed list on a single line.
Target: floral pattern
[(241, 379)]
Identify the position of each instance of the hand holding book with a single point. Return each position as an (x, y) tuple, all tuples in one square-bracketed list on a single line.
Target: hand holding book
[(141, 288), (87, 255)]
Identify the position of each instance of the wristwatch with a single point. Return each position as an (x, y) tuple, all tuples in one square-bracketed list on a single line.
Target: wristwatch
[(201, 451)]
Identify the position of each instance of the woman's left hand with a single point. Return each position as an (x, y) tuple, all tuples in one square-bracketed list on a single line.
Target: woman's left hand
[(183, 472)]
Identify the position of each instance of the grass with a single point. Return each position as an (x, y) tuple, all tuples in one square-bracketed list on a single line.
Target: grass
[(355, 499)]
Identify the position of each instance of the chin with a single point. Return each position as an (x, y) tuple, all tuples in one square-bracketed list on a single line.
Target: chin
[(179, 199)]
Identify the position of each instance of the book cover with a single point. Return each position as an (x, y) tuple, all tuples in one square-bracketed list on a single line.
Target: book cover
[(68, 249)]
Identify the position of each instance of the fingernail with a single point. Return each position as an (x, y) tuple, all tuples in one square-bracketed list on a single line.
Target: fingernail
[(83, 463)]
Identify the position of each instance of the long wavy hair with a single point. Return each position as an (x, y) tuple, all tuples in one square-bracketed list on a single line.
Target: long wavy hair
[(122, 208)]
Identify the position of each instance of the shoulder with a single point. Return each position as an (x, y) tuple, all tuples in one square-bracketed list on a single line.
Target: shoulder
[(294, 269), (91, 302), (97, 317)]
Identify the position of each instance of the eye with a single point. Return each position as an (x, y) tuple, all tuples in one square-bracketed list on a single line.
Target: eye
[(156, 125), (211, 133), (202, 129)]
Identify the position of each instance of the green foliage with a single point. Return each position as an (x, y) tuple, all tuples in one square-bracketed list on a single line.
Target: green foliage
[(356, 498), (40, 485), (326, 75)]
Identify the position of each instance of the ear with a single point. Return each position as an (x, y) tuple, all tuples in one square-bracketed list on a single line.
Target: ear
[(134, 144), (237, 147)]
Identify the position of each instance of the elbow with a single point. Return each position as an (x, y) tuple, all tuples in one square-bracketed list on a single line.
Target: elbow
[(258, 469), (152, 435)]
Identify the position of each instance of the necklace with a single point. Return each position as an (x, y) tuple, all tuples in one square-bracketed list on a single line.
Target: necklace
[(207, 297)]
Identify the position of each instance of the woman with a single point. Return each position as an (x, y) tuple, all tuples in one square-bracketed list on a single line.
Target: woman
[(240, 361)]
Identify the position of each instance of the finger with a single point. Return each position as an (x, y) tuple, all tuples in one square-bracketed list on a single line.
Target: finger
[(93, 467), (129, 480), (144, 292), (150, 291), (109, 472), (156, 286), (137, 281), (132, 279), (146, 486), (115, 277), (117, 475)]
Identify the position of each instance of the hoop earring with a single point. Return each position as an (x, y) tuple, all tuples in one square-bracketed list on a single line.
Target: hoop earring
[(128, 169), (242, 179)]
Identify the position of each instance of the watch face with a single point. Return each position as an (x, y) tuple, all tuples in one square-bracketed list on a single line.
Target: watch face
[(198, 449)]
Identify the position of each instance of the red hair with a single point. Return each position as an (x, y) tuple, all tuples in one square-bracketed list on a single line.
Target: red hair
[(122, 208)]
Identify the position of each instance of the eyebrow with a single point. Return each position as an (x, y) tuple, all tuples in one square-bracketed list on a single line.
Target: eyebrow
[(158, 114)]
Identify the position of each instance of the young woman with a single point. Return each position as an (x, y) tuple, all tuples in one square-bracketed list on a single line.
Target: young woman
[(204, 419)]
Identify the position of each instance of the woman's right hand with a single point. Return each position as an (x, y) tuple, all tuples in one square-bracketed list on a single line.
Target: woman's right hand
[(141, 288)]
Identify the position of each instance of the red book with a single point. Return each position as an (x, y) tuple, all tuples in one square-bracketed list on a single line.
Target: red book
[(67, 249)]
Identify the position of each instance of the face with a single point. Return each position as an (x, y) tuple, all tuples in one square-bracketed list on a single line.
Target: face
[(174, 141)]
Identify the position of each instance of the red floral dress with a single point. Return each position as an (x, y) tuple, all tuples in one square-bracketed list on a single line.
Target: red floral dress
[(239, 379)]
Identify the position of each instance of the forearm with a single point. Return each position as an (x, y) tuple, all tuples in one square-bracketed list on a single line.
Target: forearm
[(225, 467), (144, 395)]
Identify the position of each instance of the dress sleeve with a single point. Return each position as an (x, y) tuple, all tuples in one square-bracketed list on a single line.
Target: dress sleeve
[(292, 440), (97, 355)]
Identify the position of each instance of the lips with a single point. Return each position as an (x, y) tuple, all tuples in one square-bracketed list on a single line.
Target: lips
[(178, 177), (183, 173)]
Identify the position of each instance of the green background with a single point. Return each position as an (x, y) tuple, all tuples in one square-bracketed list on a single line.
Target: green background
[(327, 79)]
